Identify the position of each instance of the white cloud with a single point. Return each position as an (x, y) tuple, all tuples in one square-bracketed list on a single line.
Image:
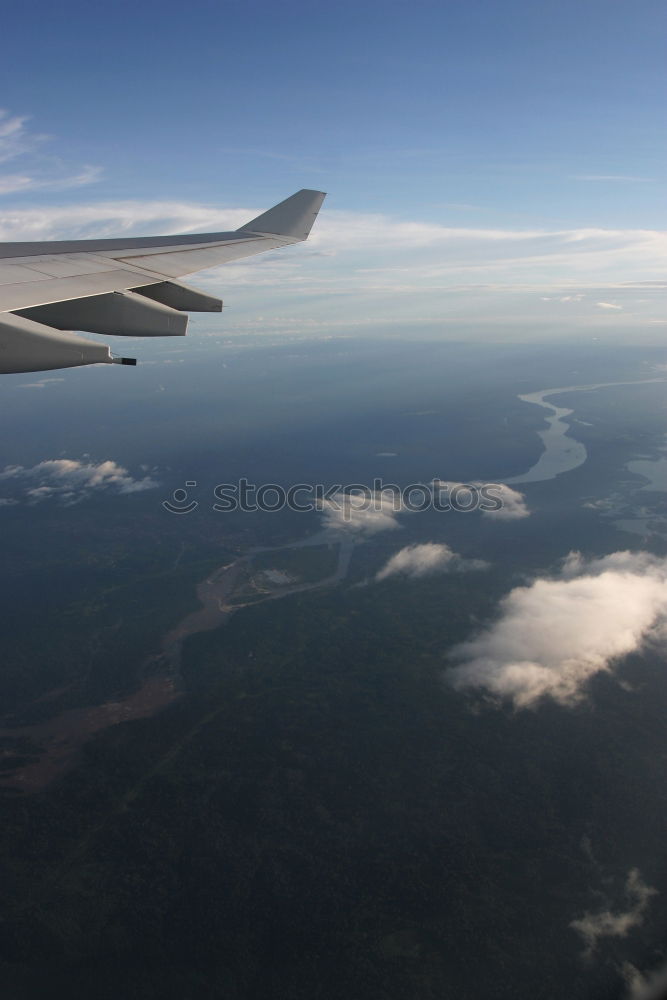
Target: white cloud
[(362, 515), (113, 218), (15, 138), (645, 986), (41, 384), (423, 560), (70, 481), (18, 141), (607, 305), (593, 926), (369, 513), (553, 635), (497, 501), (15, 183), (612, 177), (513, 504), (578, 297), (395, 243)]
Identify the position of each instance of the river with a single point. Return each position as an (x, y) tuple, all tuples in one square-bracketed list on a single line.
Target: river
[(562, 453)]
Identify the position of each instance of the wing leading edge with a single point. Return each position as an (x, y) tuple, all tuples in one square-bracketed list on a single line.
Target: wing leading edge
[(122, 287)]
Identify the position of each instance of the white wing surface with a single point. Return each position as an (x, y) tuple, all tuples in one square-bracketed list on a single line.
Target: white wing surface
[(121, 287)]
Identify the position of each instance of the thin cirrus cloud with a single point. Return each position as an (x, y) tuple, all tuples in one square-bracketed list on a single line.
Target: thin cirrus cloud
[(469, 248), (415, 561), (554, 635), (614, 177), (109, 218), (15, 136), (39, 172), (380, 251), (16, 183), (68, 481), (42, 383)]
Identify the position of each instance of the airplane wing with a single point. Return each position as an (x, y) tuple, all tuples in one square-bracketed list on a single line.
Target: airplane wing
[(122, 287)]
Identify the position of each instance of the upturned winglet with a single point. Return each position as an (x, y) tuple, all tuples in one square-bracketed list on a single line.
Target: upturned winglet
[(292, 218)]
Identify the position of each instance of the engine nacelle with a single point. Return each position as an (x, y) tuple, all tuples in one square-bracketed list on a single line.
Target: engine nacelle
[(123, 314), (27, 346), (179, 296)]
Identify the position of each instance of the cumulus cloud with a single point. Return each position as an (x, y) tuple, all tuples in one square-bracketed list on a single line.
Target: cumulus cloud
[(362, 514), (513, 504), (367, 512), (645, 986), (553, 635), (423, 560), (593, 926), (497, 501), (69, 481)]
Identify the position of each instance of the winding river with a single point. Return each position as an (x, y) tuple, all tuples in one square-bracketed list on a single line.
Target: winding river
[(562, 453), (215, 592)]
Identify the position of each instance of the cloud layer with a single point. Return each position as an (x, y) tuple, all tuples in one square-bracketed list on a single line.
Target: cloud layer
[(69, 481), (362, 270), (423, 560), (555, 634)]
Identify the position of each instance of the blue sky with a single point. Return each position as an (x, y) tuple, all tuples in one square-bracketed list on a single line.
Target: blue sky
[(497, 118)]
